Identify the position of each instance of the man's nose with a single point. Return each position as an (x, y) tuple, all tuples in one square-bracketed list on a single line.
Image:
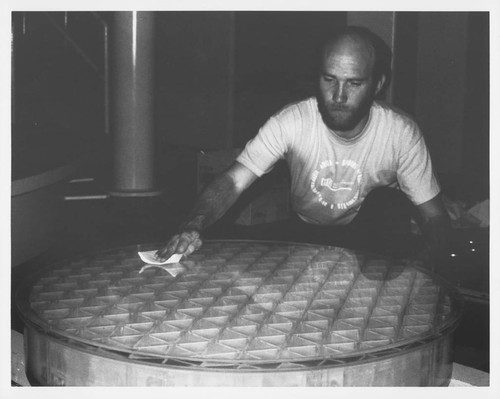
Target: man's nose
[(340, 94)]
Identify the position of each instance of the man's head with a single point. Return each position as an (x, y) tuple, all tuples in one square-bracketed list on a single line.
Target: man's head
[(354, 66)]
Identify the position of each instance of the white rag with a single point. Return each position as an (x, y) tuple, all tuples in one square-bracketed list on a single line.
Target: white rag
[(171, 264)]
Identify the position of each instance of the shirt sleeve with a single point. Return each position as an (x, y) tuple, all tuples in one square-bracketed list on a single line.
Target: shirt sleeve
[(266, 148), (415, 174)]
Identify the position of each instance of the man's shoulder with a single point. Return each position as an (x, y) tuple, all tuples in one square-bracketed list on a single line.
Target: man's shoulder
[(302, 108), (397, 125), (391, 114)]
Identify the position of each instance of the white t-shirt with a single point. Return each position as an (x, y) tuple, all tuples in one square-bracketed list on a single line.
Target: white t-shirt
[(331, 176)]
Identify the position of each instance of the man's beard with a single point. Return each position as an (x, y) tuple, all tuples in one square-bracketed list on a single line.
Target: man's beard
[(347, 118)]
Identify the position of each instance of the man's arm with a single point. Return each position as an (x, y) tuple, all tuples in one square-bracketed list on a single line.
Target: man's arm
[(435, 225), (212, 204)]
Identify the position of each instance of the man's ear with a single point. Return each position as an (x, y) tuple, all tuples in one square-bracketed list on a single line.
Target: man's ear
[(380, 84)]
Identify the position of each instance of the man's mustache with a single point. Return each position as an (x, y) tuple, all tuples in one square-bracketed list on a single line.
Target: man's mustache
[(333, 107)]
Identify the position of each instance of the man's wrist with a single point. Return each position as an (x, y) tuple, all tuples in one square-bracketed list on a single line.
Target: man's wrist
[(195, 224)]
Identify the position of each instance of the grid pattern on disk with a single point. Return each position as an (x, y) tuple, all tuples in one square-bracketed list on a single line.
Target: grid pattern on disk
[(242, 301)]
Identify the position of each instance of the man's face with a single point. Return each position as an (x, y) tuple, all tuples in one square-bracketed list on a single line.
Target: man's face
[(346, 87)]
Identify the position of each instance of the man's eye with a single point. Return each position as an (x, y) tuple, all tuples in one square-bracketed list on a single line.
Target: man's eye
[(327, 78), (355, 83)]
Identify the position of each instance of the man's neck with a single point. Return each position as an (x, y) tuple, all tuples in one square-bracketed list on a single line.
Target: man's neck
[(353, 133)]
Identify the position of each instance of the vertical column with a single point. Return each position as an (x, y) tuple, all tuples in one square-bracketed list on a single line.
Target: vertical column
[(132, 103), (405, 61)]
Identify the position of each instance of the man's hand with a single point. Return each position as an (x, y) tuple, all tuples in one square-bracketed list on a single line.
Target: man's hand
[(184, 243)]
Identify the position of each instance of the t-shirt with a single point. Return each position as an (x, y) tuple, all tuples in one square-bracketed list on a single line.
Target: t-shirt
[(331, 176)]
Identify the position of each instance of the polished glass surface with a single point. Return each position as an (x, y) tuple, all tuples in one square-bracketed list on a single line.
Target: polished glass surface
[(243, 303)]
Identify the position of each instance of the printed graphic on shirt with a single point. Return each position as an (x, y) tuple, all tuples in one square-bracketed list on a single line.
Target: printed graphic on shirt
[(336, 184)]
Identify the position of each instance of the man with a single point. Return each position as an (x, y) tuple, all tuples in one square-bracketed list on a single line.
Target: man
[(347, 154)]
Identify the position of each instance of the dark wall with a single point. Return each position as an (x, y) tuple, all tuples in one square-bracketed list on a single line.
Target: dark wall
[(474, 166), (57, 88), (440, 94), (441, 77), (194, 78)]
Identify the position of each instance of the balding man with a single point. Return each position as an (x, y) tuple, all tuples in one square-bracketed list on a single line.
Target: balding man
[(358, 167)]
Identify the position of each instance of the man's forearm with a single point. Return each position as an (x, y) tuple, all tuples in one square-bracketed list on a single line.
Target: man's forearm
[(212, 204), (436, 233), (435, 225)]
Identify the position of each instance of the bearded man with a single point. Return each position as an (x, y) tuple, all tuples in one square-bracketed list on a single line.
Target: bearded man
[(360, 169)]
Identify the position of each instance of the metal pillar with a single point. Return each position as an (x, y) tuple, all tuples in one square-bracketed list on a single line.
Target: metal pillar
[(132, 103)]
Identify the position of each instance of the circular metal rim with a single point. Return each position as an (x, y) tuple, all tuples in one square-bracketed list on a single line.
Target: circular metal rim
[(176, 364), (190, 362)]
